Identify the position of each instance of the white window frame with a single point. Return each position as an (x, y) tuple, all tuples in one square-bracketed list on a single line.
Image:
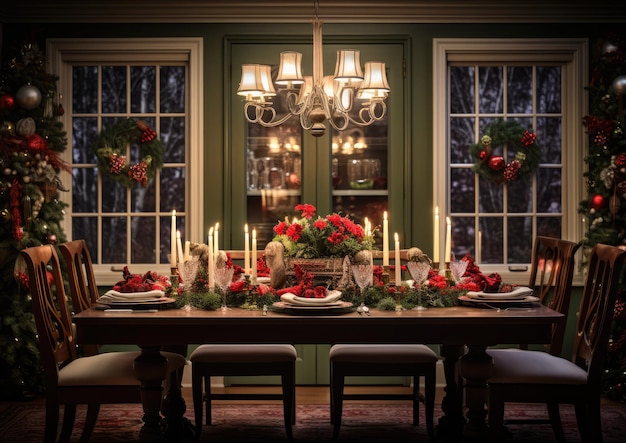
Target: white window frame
[(62, 53), (574, 53)]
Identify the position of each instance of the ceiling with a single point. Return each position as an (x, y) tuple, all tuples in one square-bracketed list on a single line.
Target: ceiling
[(295, 11)]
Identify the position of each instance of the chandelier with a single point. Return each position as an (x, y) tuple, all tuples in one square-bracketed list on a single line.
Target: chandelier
[(347, 97)]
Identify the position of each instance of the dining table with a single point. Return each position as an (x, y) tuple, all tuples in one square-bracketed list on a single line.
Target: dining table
[(463, 332)]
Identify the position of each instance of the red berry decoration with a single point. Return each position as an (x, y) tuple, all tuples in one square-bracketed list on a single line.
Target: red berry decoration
[(496, 162), (137, 172), (597, 202), (528, 138), (117, 163), (483, 155), (512, 170), (620, 160)]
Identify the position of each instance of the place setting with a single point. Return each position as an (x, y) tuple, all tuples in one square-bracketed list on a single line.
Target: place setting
[(518, 296)]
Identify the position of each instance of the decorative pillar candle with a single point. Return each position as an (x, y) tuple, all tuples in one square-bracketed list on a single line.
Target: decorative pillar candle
[(436, 239), (210, 270), (385, 240), (397, 260), (254, 256), (179, 245), (173, 241), (246, 250), (448, 253)]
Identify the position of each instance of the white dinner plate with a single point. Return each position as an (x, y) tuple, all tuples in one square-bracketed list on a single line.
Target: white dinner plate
[(520, 292), (332, 297)]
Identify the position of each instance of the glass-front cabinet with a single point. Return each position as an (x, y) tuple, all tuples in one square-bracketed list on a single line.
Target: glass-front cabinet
[(357, 172)]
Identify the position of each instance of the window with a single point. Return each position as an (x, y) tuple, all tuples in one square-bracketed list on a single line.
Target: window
[(540, 85), (104, 82)]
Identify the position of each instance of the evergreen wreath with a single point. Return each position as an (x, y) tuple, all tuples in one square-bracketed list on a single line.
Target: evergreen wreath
[(110, 149), (518, 140)]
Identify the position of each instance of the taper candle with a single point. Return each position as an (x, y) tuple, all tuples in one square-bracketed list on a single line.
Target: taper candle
[(436, 238), (385, 240), (210, 269), (173, 240), (246, 250), (187, 255), (179, 245), (397, 260), (254, 256), (448, 253), (216, 245)]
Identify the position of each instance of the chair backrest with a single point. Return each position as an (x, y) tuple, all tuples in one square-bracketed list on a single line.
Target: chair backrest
[(596, 311), (80, 275), (50, 309), (551, 276)]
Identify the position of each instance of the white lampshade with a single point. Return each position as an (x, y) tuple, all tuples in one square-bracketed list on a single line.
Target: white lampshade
[(251, 84), (266, 80), (330, 86), (305, 89), (375, 77), (290, 69), (348, 67), (368, 94)]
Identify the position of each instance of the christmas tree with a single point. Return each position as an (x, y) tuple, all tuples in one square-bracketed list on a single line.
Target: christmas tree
[(31, 139), (605, 206)]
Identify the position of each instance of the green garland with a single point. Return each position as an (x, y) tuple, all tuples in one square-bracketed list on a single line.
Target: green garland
[(517, 139), (110, 149)]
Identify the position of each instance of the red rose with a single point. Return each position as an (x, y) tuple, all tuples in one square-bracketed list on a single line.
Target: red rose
[(308, 211), (319, 292)]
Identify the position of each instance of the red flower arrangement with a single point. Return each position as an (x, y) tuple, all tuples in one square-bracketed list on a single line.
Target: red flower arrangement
[(330, 236), (150, 281)]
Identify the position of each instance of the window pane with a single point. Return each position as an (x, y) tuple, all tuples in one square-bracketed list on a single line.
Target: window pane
[(173, 136), (143, 199), (462, 89), (87, 229), (519, 197), (549, 89), (84, 188), (114, 235), (142, 89), (463, 236), (172, 89), (549, 226), (519, 239), (490, 198), (85, 89), (173, 189), (83, 136), (113, 89), (461, 137), (462, 190), (549, 190), (114, 195), (143, 239), (492, 240), (549, 139), (520, 86), (490, 89)]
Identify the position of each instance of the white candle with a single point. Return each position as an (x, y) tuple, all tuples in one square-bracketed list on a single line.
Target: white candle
[(448, 253), (210, 264), (480, 245), (367, 228), (397, 260), (436, 236), (246, 250), (385, 240), (254, 256), (187, 255), (173, 241), (216, 246), (179, 245)]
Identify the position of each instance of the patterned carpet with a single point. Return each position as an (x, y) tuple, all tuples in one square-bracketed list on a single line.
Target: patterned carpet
[(364, 423)]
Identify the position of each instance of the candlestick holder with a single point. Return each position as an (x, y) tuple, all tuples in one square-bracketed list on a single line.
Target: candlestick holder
[(386, 275)]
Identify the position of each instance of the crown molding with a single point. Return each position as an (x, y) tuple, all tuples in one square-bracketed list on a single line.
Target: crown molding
[(301, 11)]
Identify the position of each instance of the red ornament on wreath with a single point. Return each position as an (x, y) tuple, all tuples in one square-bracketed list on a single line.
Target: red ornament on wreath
[(496, 162), (7, 102), (597, 202)]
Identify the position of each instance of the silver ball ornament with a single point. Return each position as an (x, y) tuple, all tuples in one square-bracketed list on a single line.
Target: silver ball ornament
[(28, 97), (619, 85)]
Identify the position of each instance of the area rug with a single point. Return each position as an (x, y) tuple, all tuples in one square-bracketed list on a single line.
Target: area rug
[(238, 423)]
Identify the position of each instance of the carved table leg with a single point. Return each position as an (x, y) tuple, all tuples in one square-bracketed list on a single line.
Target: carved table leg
[(450, 426), (173, 406), (151, 370), (476, 367)]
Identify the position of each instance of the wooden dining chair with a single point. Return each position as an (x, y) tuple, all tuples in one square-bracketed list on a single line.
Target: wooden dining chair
[(71, 380), (541, 377), (243, 360)]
